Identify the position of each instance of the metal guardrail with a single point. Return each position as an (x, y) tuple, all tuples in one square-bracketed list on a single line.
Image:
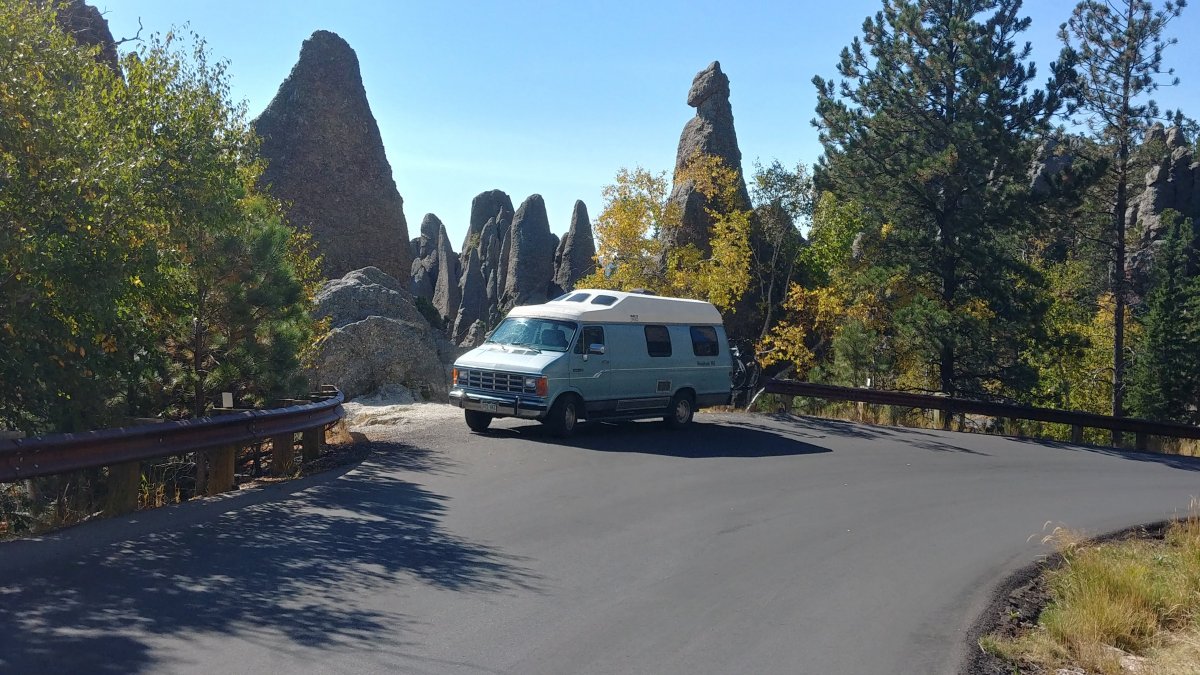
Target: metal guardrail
[(1077, 420), (47, 455)]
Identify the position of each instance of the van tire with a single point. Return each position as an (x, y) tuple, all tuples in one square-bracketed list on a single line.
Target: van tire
[(680, 411), (478, 421), (564, 416)]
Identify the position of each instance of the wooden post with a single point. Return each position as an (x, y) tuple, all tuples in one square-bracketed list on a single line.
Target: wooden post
[(1141, 441), (1076, 434), (283, 454), (311, 441), (221, 466), (124, 486)]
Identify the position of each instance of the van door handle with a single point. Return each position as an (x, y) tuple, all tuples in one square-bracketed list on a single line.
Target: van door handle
[(577, 370)]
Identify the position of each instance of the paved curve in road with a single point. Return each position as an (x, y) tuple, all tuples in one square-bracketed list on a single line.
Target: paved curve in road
[(745, 544)]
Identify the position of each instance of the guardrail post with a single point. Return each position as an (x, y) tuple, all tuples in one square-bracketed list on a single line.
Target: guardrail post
[(283, 454), (1076, 434), (124, 486), (1141, 441), (221, 468), (311, 441)]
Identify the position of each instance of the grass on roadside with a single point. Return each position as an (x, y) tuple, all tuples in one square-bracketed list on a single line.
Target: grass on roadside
[(1136, 601)]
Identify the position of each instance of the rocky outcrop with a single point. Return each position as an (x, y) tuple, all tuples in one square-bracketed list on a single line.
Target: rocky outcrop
[(378, 339), (446, 291), (1173, 183), (575, 257), (367, 356), (87, 25), (484, 264), (710, 132), (363, 293), (1051, 163), (530, 267), (326, 162), (425, 259)]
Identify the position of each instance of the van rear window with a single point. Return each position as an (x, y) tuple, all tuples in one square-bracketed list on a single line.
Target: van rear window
[(605, 300), (704, 341), (658, 341)]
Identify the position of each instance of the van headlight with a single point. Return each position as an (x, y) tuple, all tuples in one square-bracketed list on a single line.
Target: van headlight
[(531, 382)]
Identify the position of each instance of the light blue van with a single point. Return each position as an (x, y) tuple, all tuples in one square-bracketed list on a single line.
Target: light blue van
[(595, 354)]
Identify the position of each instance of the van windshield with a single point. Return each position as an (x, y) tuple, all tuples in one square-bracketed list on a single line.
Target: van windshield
[(550, 335)]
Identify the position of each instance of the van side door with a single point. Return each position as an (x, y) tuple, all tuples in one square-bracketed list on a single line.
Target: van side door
[(591, 372)]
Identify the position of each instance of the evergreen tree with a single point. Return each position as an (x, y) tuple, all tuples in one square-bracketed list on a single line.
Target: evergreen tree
[(1165, 378), (1119, 46), (930, 131)]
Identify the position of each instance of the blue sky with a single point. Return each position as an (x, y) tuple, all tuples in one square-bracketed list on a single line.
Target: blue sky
[(554, 97)]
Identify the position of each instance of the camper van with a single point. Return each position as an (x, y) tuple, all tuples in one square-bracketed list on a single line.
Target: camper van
[(596, 354)]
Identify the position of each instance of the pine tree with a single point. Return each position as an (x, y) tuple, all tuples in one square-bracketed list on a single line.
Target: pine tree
[(1165, 378), (930, 131), (1119, 46)]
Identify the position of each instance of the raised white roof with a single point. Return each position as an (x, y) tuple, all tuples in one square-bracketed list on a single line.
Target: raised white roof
[(628, 308)]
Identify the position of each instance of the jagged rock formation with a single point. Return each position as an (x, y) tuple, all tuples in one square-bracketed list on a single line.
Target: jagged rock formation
[(1174, 183), (327, 162), (575, 257), (710, 132), (484, 262), (378, 339), (531, 256), (87, 24), (425, 262), (446, 291), (1052, 161)]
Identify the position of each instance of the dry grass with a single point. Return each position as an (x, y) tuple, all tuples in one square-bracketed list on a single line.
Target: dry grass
[(1119, 607)]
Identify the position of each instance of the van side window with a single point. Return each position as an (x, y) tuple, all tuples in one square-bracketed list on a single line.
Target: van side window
[(658, 341), (592, 335), (704, 341)]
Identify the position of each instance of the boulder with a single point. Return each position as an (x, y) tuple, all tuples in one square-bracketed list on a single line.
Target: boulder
[(575, 257), (365, 357), (363, 293), (710, 132), (326, 162), (378, 338), (530, 266)]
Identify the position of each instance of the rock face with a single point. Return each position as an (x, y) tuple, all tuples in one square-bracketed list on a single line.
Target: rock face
[(531, 256), (1174, 183), (710, 132), (484, 263), (327, 162), (574, 258), (378, 339), (425, 261), (85, 22)]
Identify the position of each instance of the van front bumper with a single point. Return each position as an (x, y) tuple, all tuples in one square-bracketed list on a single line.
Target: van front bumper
[(508, 406)]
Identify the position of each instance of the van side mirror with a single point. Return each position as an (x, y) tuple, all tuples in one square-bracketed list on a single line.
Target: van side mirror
[(596, 349)]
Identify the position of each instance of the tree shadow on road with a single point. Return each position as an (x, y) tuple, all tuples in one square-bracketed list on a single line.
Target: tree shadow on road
[(699, 440), (294, 567), (1174, 461)]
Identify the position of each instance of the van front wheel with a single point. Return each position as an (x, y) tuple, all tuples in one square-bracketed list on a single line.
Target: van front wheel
[(680, 411), (478, 421), (564, 415)]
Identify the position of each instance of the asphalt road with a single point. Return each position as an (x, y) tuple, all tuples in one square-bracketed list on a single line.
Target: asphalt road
[(745, 544)]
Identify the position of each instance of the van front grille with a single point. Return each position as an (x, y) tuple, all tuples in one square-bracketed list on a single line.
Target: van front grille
[(488, 380)]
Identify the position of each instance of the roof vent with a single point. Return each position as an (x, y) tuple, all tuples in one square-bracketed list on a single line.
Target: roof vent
[(641, 291)]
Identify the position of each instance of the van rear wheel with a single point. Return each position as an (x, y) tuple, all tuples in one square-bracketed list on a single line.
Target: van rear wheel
[(680, 411), (478, 421), (564, 415)]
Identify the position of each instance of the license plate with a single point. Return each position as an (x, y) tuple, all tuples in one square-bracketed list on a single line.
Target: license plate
[(490, 407)]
